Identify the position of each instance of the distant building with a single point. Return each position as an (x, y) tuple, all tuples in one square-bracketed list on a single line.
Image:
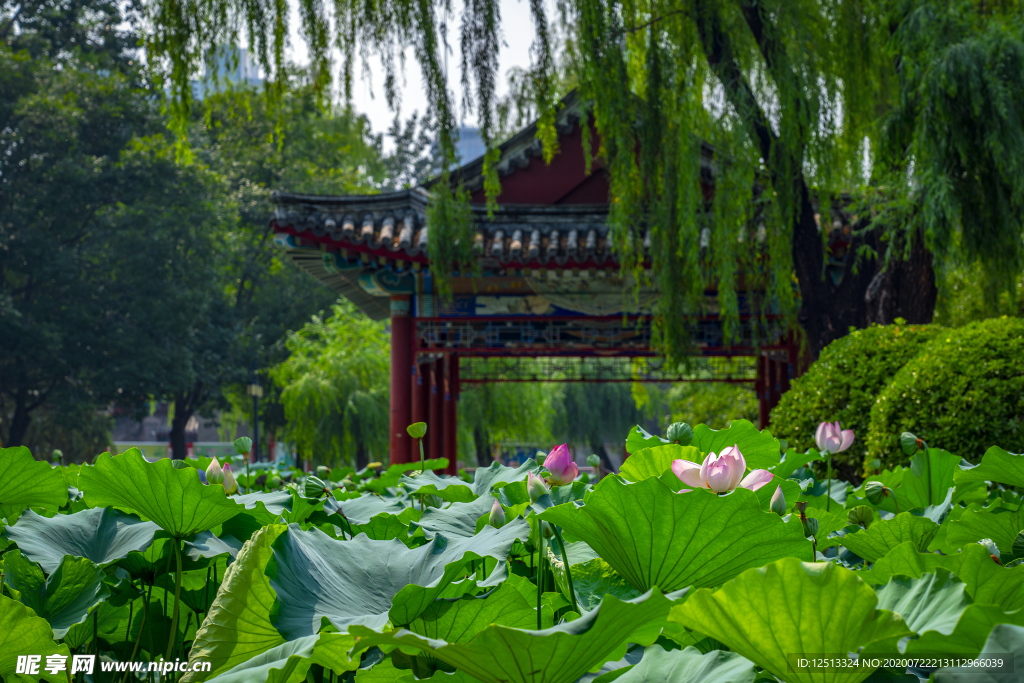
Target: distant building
[(470, 145), (227, 68)]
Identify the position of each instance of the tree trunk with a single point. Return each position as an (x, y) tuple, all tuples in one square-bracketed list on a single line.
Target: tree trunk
[(836, 298), (361, 459), (182, 413), (482, 441), (20, 421)]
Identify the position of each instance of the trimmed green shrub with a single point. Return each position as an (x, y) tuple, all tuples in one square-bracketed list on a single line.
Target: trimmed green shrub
[(963, 392), (843, 385)]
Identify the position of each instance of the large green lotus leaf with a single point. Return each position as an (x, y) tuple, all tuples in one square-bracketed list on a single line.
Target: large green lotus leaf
[(361, 510), (290, 662), (759, 448), (639, 439), (792, 607), (794, 461), (238, 626), (102, 535), (65, 597), (28, 482), (876, 541), (997, 466), (268, 508), (499, 654), (592, 580), (151, 562), (968, 637), (24, 633), (690, 666), (655, 537), (906, 560), (1004, 640), (385, 671), (455, 490), (989, 583), (932, 603), (175, 499), (457, 520), (362, 581), (926, 481), (458, 620), (205, 545), (997, 523), (654, 462)]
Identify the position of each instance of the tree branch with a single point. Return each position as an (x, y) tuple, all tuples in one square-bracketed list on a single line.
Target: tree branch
[(719, 53), (10, 22)]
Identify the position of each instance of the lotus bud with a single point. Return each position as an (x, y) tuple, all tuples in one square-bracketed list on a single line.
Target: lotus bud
[(535, 487), (214, 473), (680, 433), (229, 480), (992, 549), (778, 505), (861, 515), (875, 491), (314, 487), (559, 463), (497, 516)]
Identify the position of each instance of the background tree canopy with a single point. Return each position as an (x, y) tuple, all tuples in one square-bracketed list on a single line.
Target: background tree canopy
[(910, 107)]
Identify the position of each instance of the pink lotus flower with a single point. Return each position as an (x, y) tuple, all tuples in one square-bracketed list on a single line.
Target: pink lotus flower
[(829, 437), (721, 473), (559, 463)]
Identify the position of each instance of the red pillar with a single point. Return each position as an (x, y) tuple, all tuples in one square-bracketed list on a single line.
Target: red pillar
[(401, 379), (451, 396), (420, 395), (435, 424)]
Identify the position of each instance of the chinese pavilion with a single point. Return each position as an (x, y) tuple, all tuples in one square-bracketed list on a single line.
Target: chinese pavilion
[(548, 303)]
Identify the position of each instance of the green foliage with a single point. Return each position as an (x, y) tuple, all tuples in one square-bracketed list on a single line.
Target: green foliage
[(334, 388), (963, 391), (844, 383), (715, 404)]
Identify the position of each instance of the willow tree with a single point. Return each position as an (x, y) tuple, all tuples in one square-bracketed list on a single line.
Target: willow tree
[(743, 133)]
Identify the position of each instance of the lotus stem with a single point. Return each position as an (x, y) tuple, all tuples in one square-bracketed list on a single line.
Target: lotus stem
[(539, 572), (828, 491), (248, 481), (568, 571), (927, 473), (423, 465), (138, 639), (177, 599)]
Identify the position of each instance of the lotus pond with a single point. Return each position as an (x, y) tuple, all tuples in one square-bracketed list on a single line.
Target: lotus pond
[(715, 557)]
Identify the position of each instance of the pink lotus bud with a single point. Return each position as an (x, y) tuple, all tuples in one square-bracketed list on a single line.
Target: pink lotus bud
[(229, 480), (559, 463), (497, 516), (778, 504), (829, 437), (535, 486), (214, 473)]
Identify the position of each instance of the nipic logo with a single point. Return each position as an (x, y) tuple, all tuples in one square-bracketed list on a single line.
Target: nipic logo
[(30, 664)]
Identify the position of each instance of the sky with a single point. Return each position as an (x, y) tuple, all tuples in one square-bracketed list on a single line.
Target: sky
[(368, 97)]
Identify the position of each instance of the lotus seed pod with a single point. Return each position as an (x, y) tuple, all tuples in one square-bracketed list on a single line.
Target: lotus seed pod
[(242, 444), (323, 472), (862, 515), (810, 527), (778, 504), (680, 433), (594, 460), (214, 473), (417, 429), (275, 482), (314, 487), (910, 443)]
